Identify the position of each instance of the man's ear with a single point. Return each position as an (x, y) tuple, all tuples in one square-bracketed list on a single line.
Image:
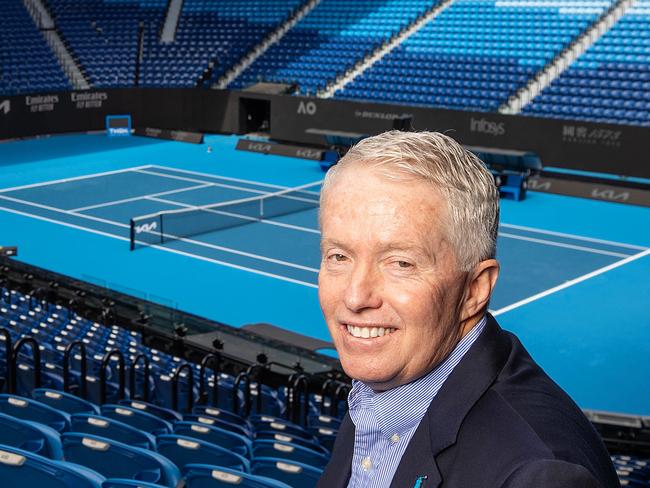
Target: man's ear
[(479, 287)]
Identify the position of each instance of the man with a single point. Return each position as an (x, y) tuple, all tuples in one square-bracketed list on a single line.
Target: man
[(441, 395)]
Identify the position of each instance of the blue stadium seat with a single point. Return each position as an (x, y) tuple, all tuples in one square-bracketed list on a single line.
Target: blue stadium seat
[(111, 429), (28, 409), (273, 435), (218, 422), (23, 468), (164, 413), (122, 483), (206, 476), (282, 426), (30, 436), (184, 450), (290, 452), (236, 443), (296, 475), (64, 402), (219, 413), (137, 418), (116, 460)]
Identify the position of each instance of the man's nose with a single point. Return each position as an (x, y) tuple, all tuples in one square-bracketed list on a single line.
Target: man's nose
[(363, 290)]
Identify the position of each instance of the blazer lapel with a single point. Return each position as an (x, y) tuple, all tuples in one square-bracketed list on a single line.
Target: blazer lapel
[(418, 461), (338, 470), (440, 425)]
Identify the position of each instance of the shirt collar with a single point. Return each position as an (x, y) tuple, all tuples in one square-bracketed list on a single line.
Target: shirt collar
[(389, 406)]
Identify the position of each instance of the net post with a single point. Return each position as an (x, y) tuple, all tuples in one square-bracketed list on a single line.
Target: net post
[(132, 234), (162, 234)]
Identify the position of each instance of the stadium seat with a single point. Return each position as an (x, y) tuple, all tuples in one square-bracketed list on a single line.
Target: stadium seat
[(23, 468), (30, 436), (273, 435), (164, 413), (122, 483), (64, 402), (236, 443), (111, 429), (137, 418), (116, 460), (218, 422), (206, 476), (28, 409), (221, 414), (183, 450), (290, 452), (296, 475)]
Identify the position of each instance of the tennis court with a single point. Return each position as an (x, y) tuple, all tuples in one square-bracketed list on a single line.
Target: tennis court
[(565, 262)]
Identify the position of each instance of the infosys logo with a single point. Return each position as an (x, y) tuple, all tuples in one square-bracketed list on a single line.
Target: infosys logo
[(485, 126)]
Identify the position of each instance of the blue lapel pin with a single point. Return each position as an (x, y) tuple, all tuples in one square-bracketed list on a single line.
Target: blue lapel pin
[(419, 482)]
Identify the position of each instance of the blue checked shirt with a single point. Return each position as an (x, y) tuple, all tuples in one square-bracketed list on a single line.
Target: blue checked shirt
[(384, 427)]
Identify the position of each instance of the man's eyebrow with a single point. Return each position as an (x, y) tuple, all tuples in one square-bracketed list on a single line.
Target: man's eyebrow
[(325, 241)]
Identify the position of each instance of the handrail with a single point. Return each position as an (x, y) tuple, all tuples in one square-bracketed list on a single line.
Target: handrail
[(36, 354), (132, 375), (102, 374), (300, 379), (215, 358), (334, 408), (252, 370), (247, 394), (83, 386), (175, 382), (327, 385), (8, 356)]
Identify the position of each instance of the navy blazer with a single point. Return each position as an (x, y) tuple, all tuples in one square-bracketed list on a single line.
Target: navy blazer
[(498, 421)]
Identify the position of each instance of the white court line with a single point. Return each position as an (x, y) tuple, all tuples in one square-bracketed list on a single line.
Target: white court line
[(141, 197), (562, 244), (572, 282), (74, 178), (252, 219), (162, 248), (220, 185), (198, 243), (573, 236), (210, 183), (226, 178)]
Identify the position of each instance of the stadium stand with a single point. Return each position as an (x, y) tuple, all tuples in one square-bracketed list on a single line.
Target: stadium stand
[(475, 54), (103, 35), (215, 34), (32, 67), (332, 38), (610, 82), (133, 439)]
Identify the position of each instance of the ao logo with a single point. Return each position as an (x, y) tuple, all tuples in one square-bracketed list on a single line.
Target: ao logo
[(307, 108), (146, 227), (5, 106)]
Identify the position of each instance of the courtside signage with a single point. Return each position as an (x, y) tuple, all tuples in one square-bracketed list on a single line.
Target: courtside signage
[(118, 125)]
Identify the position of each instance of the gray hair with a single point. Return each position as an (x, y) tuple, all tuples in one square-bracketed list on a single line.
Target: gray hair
[(465, 183)]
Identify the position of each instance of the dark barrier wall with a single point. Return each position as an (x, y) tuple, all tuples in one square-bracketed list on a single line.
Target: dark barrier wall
[(569, 144)]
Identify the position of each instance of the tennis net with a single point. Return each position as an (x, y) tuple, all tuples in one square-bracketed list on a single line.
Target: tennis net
[(169, 225)]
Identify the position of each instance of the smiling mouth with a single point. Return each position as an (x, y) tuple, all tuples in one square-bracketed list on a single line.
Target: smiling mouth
[(368, 332)]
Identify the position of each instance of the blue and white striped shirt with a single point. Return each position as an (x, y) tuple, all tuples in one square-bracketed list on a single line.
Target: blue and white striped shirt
[(384, 427)]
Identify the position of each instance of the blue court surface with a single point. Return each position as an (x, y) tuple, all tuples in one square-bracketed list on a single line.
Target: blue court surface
[(574, 283)]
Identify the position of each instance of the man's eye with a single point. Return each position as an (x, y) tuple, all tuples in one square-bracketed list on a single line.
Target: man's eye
[(404, 264), (339, 258)]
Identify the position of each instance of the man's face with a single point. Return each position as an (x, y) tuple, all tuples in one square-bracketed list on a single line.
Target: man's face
[(389, 285)]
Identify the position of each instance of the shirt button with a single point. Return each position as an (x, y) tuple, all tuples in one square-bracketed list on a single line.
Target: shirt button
[(394, 438), (366, 463)]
